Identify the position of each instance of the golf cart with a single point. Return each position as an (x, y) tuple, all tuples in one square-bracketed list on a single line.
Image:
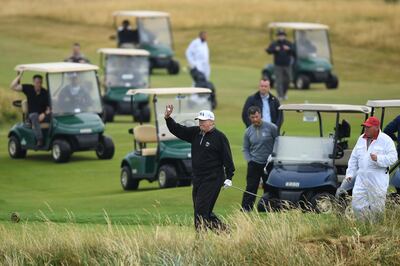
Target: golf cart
[(75, 124), (154, 35), (312, 59), (383, 105), (168, 160), (125, 69), (307, 170)]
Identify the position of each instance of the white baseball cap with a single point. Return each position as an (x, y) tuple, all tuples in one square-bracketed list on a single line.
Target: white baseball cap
[(205, 115)]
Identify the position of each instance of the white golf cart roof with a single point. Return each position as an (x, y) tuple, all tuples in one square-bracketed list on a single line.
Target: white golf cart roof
[(297, 26), (118, 51), (383, 103), (329, 108), (56, 67), (140, 13), (167, 91)]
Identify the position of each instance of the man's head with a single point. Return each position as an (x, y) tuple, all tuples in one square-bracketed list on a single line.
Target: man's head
[(37, 82), (254, 113), (203, 36), (125, 23), (264, 86), (76, 49), (281, 34), (371, 127), (206, 120)]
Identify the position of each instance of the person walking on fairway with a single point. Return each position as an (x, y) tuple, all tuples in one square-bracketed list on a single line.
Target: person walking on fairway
[(282, 49), (211, 162), (198, 55), (370, 159), (258, 144)]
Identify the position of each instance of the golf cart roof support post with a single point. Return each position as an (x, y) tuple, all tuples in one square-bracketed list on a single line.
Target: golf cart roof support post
[(372, 111), (48, 92), (382, 116), (156, 120), (180, 103), (321, 134), (335, 138), (329, 45)]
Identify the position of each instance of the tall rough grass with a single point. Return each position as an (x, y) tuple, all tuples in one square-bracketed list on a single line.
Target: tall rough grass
[(289, 238), (362, 23)]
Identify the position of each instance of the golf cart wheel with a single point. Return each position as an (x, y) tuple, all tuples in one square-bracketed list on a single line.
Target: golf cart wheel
[(173, 67), (267, 203), (332, 82), (323, 202), (127, 182), (15, 149), (302, 82), (167, 176), (108, 115), (61, 151), (105, 148)]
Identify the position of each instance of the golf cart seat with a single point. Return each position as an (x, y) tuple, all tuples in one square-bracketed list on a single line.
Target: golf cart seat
[(144, 134), (344, 130), (24, 108)]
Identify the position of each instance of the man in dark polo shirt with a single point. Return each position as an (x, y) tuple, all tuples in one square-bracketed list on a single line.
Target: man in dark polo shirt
[(38, 103), (212, 164)]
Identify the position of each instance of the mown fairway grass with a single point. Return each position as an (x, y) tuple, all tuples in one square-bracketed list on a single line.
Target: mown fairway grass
[(85, 190)]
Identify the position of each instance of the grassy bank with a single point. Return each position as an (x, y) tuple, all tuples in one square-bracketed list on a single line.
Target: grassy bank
[(289, 238)]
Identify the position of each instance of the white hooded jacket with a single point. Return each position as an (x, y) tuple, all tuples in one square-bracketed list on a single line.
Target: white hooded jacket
[(197, 55)]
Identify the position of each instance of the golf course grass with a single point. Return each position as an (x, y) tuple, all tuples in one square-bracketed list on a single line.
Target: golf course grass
[(83, 201)]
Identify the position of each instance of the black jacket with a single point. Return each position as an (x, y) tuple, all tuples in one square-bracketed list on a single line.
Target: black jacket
[(210, 153), (255, 100), (281, 57)]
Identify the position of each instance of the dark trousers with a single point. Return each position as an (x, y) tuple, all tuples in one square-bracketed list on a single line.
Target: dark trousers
[(205, 193), (254, 172)]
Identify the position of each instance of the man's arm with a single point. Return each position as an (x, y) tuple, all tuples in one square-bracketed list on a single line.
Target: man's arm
[(246, 147), (279, 114), (227, 158), (190, 54), (245, 116), (392, 128), (180, 131), (390, 156), (352, 165), (271, 48), (16, 83)]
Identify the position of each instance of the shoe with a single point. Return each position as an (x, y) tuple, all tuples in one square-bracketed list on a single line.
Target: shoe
[(39, 143)]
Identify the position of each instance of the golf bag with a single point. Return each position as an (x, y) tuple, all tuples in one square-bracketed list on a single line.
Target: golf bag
[(200, 81)]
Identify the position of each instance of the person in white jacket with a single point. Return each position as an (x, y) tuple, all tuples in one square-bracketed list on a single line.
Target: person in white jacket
[(370, 159), (198, 56)]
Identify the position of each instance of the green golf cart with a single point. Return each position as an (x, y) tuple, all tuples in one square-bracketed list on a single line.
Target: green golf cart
[(158, 155), (312, 59), (75, 124), (125, 69), (154, 35)]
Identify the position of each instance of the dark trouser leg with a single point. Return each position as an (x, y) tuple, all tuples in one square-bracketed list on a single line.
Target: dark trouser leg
[(285, 79), (279, 81), (34, 118), (254, 172), (205, 195)]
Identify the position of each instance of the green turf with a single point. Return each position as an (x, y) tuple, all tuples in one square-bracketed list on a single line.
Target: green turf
[(87, 188)]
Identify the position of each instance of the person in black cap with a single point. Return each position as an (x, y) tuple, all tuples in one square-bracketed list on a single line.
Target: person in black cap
[(127, 37), (211, 162), (282, 49)]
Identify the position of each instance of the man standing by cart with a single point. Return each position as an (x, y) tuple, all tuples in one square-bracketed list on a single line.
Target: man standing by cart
[(369, 162), (258, 144), (211, 162)]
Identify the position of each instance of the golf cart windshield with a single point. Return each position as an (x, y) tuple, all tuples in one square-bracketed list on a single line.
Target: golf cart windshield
[(288, 149), (312, 43), (127, 71), (186, 108), (154, 31), (74, 92)]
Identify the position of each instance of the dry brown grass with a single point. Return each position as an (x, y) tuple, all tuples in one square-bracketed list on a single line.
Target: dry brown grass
[(363, 23), (291, 238)]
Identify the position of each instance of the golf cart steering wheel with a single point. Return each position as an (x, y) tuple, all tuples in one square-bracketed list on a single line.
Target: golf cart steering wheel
[(339, 152)]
